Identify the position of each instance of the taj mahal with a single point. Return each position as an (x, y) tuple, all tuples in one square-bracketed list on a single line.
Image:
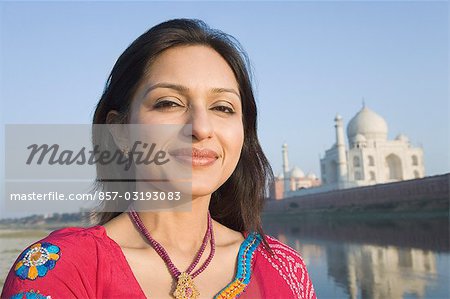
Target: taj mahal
[(370, 158)]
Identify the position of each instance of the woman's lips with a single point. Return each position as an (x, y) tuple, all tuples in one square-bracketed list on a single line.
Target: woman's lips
[(195, 156)]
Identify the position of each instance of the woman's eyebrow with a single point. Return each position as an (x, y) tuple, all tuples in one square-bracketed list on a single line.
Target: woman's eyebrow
[(221, 90), (182, 88), (176, 87)]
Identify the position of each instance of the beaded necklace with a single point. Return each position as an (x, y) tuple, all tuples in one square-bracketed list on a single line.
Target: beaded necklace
[(185, 288)]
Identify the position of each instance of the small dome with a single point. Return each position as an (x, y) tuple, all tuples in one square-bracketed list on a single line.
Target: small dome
[(367, 123), (402, 137), (296, 172), (311, 176)]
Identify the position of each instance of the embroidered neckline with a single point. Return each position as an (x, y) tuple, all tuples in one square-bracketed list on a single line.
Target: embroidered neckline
[(241, 277), (244, 268)]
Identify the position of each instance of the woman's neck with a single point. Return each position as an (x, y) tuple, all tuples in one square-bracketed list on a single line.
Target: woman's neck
[(182, 230)]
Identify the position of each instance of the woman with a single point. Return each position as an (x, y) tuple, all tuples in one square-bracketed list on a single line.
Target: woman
[(179, 72)]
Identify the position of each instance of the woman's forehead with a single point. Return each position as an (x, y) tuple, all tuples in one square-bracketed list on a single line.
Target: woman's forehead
[(192, 66)]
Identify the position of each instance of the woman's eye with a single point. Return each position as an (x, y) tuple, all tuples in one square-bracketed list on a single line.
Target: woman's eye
[(225, 109), (166, 105)]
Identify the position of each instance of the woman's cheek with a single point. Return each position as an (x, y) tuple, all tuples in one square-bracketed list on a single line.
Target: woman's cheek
[(234, 140)]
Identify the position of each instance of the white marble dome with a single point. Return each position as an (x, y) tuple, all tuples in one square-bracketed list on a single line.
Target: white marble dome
[(296, 172), (367, 123)]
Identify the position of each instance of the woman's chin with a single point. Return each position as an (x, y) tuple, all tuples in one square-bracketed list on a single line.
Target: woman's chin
[(188, 189), (200, 191)]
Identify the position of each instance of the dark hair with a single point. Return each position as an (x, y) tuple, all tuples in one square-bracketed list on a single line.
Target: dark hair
[(239, 202)]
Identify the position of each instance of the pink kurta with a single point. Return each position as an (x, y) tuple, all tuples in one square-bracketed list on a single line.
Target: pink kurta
[(85, 263)]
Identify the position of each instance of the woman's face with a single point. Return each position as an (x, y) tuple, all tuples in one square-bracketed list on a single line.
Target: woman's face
[(194, 85)]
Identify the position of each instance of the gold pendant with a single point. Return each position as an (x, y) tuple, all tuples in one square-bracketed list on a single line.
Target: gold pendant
[(185, 287)]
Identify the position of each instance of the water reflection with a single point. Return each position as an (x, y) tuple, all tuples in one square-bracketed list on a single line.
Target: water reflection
[(371, 259)]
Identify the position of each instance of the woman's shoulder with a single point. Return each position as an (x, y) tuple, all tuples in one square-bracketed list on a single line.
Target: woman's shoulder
[(281, 257), (77, 235), (278, 248), (62, 246), (73, 242), (60, 257), (275, 249), (283, 265)]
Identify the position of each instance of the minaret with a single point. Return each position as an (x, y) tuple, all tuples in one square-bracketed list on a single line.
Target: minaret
[(342, 170), (286, 168)]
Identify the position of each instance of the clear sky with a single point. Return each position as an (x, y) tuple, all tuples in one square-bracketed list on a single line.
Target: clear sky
[(311, 60)]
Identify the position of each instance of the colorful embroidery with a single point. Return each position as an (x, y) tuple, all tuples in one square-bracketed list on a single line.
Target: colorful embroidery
[(29, 295), (237, 286), (36, 260)]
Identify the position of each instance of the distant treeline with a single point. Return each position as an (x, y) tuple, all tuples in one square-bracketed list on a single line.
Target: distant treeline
[(54, 219)]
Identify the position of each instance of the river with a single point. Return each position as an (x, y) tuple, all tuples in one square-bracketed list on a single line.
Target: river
[(371, 258)]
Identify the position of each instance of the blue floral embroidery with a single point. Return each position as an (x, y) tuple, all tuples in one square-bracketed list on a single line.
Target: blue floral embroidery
[(29, 295), (36, 260)]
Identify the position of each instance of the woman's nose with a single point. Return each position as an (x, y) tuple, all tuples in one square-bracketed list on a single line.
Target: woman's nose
[(202, 127)]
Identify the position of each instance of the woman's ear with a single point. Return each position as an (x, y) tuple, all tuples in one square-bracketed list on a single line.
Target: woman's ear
[(119, 131)]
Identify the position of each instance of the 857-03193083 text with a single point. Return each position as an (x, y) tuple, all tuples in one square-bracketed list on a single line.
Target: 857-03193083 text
[(148, 195)]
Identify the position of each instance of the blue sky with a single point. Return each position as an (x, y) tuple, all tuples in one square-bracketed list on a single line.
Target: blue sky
[(310, 61)]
